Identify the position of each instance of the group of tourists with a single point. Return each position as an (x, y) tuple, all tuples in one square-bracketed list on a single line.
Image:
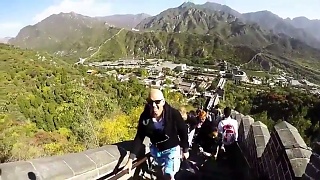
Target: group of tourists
[(212, 132), (174, 133)]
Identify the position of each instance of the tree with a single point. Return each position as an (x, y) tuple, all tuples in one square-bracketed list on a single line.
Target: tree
[(142, 72), (168, 82)]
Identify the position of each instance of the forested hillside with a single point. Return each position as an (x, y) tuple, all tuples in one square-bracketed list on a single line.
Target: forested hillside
[(49, 107), (270, 106)]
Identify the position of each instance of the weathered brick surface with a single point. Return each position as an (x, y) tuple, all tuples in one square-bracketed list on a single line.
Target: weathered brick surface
[(90, 164), (280, 155), (313, 168), (244, 128), (257, 139)]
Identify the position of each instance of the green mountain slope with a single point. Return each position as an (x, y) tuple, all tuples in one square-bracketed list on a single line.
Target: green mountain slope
[(33, 83), (162, 45), (268, 20), (200, 21), (66, 34), (188, 33), (281, 52), (48, 107), (278, 49)]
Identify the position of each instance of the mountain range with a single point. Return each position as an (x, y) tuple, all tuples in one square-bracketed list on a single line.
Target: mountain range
[(125, 20), (190, 31), (299, 28), (5, 40)]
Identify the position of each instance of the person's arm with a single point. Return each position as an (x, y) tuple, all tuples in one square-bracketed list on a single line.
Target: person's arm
[(217, 151), (182, 131), (220, 139), (209, 117), (200, 134), (138, 140), (237, 129), (220, 128)]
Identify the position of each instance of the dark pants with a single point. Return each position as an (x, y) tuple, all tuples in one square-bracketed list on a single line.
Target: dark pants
[(232, 152)]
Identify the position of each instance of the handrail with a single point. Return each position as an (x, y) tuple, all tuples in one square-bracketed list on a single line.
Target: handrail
[(123, 172)]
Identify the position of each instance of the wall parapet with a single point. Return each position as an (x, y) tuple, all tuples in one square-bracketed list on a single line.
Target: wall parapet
[(90, 164), (279, 154)]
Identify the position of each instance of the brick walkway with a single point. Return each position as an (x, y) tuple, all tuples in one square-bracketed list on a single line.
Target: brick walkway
[(211, 170)]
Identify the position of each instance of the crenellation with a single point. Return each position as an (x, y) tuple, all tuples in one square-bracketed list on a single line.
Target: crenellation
[(234, 113), (315, 160), (295, 148), (79, 163), (281, 154), (244, 129), (53, 167), (247, 121), (100, 156), (89, 164), (289, 135), (251, 152), (237, 116), (261, 136), (313, 168)]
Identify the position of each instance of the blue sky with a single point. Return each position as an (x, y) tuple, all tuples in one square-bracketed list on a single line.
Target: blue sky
[(15, 14)]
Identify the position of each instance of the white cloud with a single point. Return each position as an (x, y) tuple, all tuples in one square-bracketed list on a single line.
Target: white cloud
[(10, 25), (84, 7), (10, 29)]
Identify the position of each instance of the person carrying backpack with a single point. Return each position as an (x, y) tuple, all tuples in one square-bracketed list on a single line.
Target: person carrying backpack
[(228, 127)]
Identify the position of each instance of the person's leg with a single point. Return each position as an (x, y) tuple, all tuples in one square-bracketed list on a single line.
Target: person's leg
[(172, 163), (158, 162), (232, 156), (171, 167)]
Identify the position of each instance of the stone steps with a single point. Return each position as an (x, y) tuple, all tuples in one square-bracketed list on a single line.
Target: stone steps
[(210, 170)]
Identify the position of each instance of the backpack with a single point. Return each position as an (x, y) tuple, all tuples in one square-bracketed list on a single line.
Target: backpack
[(228, 135)]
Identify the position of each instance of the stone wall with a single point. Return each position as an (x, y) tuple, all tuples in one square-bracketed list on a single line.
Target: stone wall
[(90, 164), (313, 168), (281, 154)]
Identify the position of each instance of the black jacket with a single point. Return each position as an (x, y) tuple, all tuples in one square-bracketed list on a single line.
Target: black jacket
[(192, 122), (209, 144), (174, 133), (205, 129)]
